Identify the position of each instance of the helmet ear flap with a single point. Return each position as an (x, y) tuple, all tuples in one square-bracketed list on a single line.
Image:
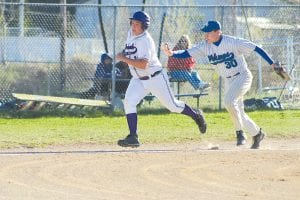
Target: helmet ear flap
[(145, 26)]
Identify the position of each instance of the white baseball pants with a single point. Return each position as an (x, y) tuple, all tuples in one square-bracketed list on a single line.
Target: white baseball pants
[(235, 88), (159, 86)]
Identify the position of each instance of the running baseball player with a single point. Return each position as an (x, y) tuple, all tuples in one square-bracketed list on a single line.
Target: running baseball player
[(226, 53), (147, 76)]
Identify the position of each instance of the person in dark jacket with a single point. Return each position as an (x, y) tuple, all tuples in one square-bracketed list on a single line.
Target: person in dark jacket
[(104, 71)]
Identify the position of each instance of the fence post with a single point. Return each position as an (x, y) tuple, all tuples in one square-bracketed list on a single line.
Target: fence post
[(21, 18), (260, 76), (290, 53), (63, 36), (220, 78), (4, 31), (113, 85)]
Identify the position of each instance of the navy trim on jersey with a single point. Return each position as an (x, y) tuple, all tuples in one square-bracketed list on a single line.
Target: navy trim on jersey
[(217, 43), (181, 54), (264, 55)]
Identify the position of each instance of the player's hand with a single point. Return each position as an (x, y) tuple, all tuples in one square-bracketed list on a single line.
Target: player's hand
[(120, 56), (166, 49)]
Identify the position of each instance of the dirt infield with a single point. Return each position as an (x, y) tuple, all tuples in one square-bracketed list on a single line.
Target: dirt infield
[(151, 172)]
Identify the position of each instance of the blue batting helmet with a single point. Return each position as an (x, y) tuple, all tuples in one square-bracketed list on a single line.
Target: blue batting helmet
[(142, 17)]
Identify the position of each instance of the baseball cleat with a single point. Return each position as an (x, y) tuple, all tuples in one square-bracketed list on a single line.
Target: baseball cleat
[(257, 139), (129, 141), (240, 138), (200, 120)]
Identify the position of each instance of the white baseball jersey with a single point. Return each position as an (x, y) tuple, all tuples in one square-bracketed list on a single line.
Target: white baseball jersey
[(228, 57), (142, 47)]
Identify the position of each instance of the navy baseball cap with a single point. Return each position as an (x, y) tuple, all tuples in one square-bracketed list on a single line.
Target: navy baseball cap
[(211, 26)]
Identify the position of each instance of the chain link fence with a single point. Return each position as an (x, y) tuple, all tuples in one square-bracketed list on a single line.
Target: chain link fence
[(51, 49)]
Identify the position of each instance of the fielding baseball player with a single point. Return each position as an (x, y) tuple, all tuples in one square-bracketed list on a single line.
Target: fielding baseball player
[(147, 76), (226, 53)]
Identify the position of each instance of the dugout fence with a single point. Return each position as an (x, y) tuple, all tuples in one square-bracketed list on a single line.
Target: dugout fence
[(53, 49)]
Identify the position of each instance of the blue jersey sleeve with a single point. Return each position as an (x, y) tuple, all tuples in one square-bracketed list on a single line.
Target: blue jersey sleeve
[(181, 54), (264, 55)]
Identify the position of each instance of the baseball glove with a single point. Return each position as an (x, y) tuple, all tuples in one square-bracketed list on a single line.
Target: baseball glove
[(280, 70)]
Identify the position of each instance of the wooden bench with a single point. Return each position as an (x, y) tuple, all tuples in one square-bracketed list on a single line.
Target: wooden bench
[(37, 102)]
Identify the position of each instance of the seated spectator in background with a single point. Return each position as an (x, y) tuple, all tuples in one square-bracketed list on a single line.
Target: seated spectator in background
[(104, 71), (183, 69)]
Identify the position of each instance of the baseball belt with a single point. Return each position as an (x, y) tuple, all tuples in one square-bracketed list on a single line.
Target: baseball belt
[(234, 75), (143, 78)]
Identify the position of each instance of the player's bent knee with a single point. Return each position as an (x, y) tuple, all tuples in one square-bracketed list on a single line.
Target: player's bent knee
[(228, 104), (175, 109), (174, 106), (129, 107)]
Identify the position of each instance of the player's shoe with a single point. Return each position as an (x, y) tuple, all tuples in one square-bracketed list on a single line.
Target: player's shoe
[(200, 120), (240, 138), (204, 85), (129, 141), (257, 139)]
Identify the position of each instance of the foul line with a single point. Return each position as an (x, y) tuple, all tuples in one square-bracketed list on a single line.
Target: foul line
[(158, 151)]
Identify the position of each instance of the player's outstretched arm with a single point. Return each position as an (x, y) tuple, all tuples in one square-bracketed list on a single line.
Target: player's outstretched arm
[(277, 66), (264, 55), (175, 54)]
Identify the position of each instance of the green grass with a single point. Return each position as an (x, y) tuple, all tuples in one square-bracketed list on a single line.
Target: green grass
[(156, 127)]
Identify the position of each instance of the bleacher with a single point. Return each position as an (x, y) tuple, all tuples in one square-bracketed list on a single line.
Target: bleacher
[(177, 92)]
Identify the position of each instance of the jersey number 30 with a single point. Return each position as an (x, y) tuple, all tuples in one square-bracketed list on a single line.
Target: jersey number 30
[(230, 63)]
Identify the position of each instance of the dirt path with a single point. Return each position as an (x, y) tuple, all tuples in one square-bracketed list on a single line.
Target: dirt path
[(186, 171)]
